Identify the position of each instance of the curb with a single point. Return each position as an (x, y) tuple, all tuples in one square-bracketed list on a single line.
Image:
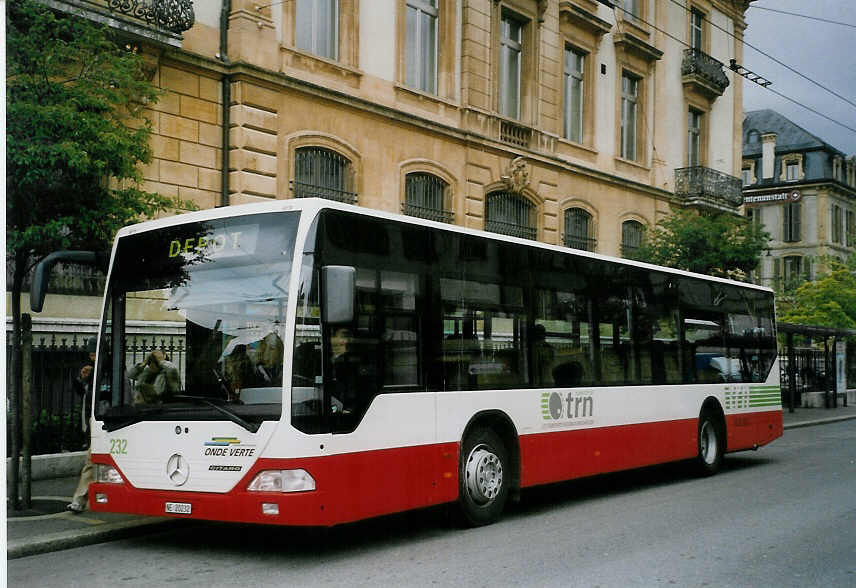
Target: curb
[(78, 538), (820, 422)]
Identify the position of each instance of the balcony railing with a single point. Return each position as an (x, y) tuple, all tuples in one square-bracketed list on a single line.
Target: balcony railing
[(700, 185), (701, 68), (175, 16), (158, 21), (514, 134)]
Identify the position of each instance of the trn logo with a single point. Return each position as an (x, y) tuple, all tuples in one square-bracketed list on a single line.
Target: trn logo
[(554, 406)]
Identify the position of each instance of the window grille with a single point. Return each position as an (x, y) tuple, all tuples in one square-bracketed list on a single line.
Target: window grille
[(632, 236), (510, 214), (425, 197), (579, 230), (421, 45), (322, 173)]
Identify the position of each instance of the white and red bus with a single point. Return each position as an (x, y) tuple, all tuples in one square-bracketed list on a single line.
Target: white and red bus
[(341, 363)]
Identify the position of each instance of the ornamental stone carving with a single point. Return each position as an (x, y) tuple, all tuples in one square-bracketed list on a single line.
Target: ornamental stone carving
[(517, 176)]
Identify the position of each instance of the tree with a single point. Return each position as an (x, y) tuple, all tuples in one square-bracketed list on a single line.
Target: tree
[(75, 138), (75, 141), (829, 301), (716, 244)]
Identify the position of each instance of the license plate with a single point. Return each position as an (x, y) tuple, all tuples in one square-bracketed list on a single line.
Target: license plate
[(178, 507)]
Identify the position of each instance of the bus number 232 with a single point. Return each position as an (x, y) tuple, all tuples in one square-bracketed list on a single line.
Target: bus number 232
[(118, 446)]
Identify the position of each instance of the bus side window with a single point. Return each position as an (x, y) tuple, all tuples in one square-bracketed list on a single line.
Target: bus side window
[(560, 340)]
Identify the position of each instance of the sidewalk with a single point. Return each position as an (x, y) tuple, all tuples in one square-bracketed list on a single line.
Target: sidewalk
[(49, 527), (807, 417)]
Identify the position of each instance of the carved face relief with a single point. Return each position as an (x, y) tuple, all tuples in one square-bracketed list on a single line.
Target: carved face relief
[(517, 177)]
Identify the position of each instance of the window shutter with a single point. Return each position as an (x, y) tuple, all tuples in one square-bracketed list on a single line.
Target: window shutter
[(777, 271), (797, 220)]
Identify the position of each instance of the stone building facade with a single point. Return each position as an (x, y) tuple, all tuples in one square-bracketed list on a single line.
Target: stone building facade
[(802, 190), (565, 121)]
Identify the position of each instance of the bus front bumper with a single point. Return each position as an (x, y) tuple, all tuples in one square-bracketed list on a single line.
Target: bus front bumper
[(238, 505)]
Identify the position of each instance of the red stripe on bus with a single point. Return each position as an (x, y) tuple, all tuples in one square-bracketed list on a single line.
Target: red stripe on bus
[(563, 455), (746, 431), (355, 486), (349, 486)]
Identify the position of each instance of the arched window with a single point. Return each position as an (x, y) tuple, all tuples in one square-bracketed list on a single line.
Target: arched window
[(322, 173), (509, 214), (579, 230), (425, 196), (632, 236)]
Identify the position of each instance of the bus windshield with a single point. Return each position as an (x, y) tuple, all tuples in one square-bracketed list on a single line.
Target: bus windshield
[(195, 321)]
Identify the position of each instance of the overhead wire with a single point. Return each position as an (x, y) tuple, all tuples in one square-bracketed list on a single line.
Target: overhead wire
[(798, 103), (826, 20), (768, 56)]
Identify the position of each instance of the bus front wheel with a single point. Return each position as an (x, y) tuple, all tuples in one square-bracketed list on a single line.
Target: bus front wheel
[(711, 444), (483, 478)]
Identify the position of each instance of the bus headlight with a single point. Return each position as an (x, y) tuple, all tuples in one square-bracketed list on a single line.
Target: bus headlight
[(282, 481), (105, 474)]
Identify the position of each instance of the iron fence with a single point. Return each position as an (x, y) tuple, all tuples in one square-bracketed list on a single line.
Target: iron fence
[(56, 361)]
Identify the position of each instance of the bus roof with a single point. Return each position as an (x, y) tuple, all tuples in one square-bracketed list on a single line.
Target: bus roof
[(315, 205)]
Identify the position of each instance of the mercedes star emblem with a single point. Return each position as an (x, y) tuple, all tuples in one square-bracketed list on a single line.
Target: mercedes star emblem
[(177, 469)]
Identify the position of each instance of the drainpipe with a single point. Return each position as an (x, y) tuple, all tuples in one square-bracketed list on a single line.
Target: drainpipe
[(226, 93)]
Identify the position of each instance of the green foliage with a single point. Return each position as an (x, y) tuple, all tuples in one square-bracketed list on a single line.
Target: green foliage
[(52, 433), (75, 135), (829, 301), (716, 244)]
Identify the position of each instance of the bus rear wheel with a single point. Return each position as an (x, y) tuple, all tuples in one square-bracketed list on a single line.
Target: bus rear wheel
[(711, 444), (483, 478)]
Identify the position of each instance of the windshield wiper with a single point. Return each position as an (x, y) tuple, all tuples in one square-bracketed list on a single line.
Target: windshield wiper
[(251, 427)]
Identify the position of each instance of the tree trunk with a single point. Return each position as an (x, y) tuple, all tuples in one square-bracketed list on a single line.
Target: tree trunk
[(26, 410), (15, 380)]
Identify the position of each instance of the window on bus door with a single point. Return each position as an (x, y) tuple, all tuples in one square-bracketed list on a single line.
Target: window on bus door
[(378, 352), (195, 318)]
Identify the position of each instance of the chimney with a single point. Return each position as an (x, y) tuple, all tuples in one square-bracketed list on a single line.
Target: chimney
[(768, 155)]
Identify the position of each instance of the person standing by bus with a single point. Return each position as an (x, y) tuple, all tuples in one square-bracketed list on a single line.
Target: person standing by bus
[(82, 385)]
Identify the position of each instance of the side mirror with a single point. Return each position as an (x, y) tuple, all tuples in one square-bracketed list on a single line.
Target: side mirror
[(339, 283), (45, 266)]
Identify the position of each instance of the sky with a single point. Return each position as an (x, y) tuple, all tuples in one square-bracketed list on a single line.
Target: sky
[(824, 52)]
